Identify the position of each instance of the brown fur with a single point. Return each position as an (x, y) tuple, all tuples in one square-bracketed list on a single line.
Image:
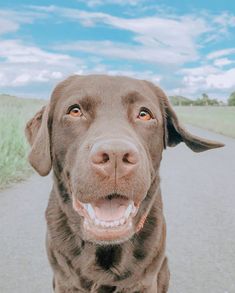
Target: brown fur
[(79, 262)]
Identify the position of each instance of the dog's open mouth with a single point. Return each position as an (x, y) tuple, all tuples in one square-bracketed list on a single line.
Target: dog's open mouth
[(108, 218)]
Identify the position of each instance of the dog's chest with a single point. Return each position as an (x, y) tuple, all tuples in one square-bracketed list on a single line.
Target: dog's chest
[(106, 268), (100, 268)]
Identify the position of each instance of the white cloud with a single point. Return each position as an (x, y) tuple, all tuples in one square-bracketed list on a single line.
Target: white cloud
[(143, 53), (24, 64), (171, 39), (93, 3), (225, 19), (221, 53), (223, 80), (199, 71), (223, 62), (36, 76), (7, 26), (22, 79), (14, 51), (157, 39), (148, 75), (11, 20), (16, 76), (3, 79), (56, 75), (208, 79)]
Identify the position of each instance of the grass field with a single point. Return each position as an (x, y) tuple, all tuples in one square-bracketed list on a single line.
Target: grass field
[(217, 119), (14, 113)]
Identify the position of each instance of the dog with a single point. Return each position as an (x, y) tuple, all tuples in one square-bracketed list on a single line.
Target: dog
[(103, 137)]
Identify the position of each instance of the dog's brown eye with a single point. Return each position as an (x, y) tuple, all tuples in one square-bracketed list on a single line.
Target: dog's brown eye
[(144, 115), (75, 111)]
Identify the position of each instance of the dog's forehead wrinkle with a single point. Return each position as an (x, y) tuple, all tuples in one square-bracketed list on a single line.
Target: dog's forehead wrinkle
[(132, 97), (88, 102), (106, 87)]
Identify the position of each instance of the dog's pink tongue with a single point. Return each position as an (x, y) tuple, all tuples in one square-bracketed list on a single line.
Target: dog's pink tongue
[(110, 209)]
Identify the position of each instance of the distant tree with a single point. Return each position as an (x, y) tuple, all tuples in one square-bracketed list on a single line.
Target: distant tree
[(222, 103), (213, 102), (205, 96), (205, 101), (198, 102), (231, 99), (180, 101)]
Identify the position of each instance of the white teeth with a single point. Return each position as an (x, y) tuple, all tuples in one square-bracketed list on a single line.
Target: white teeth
[(104, 224), (130, 210), (97, 222), (122, 221), (108, 224), (116, 223), (90, 210)]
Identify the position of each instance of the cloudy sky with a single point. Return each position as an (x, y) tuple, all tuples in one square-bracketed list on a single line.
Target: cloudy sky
[(186, 47)]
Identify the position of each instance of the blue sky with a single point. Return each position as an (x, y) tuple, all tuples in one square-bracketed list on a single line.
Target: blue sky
[(186, 47)]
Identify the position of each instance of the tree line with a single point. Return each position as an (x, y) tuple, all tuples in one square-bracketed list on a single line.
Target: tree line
[(204, 100)]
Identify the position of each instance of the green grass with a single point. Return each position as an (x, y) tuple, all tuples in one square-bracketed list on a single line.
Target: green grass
[(14, 113), (217, 119)]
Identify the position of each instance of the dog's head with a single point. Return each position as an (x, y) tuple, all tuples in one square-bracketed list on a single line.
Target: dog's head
[(104, 138)]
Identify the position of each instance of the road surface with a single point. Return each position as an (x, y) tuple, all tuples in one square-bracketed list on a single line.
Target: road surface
[(199, 203)]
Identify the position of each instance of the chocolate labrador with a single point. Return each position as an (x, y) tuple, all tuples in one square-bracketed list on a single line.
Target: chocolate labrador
[(103, 137)]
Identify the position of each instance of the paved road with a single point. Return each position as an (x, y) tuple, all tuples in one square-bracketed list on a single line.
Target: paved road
[(199, 198)]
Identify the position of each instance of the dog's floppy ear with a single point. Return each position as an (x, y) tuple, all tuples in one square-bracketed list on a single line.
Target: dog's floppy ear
[(38, 137), (176, 133)]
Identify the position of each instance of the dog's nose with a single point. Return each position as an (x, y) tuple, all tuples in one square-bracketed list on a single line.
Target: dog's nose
[(114, 156)]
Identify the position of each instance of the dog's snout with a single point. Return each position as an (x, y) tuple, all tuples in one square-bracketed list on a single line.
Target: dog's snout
[(114, 156)]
